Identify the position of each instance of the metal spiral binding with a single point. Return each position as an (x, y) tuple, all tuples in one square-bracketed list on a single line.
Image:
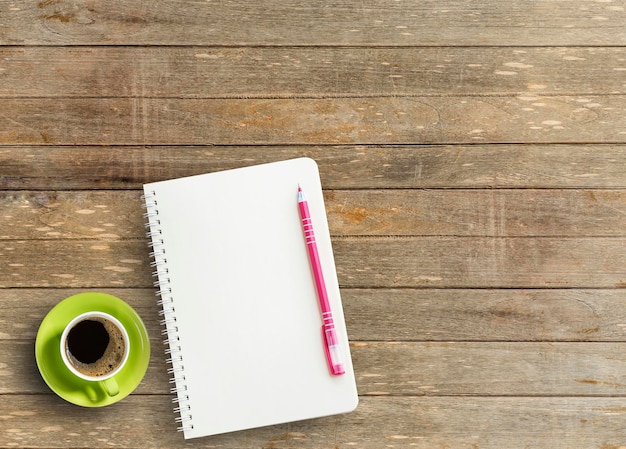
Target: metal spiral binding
[(167, 315)]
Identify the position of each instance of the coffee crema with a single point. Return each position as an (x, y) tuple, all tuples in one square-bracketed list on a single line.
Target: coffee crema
[(95, 346)]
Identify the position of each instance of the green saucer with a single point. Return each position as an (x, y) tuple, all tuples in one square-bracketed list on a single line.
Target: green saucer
[(60, 379)]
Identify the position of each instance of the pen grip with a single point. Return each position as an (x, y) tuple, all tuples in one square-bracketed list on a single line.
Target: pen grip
[(333, 352)]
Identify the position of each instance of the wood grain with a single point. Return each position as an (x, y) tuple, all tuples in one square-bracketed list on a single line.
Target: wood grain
[(75, 263), (497, 213), (102, 214), (452, 262), (403, 314), (383, 314), (473, 158), (367, 23), (418, 369), (481, 263), (485, 314), (275, 72), (355, 167), (375, 120), (422, 422)]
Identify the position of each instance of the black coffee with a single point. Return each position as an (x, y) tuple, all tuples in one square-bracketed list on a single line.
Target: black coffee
[(95, 346), (88, 340)]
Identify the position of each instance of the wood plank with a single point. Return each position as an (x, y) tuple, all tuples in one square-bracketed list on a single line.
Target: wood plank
[(74, 263), (399, 314), (71, 215), (402, 120), (114, 214), (416, 369), (481, 262), (208, 72), (369, 23), (454, 166), (421, 422), (490, 369), (472, 262), (485, 314), (403, 315), (477, 212)]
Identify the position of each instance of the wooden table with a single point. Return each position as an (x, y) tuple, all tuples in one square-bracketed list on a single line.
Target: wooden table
[(474, 164)]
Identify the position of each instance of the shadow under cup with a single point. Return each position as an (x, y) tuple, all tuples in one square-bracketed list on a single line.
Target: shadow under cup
[(95, 347)]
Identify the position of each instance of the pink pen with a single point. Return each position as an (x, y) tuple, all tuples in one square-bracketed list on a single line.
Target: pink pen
[(329, 335)]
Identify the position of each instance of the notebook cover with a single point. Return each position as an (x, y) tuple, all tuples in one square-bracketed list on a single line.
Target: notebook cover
[(245, 321)]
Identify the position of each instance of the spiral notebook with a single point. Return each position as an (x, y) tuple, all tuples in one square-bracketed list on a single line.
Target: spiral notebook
[(240, 310)]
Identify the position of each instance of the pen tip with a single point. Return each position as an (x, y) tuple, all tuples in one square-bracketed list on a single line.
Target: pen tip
[(299, 188)]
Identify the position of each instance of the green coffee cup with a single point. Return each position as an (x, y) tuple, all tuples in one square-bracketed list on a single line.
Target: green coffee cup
[(92, 349)]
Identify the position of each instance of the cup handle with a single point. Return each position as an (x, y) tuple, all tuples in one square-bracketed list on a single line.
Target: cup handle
[(111, 387)]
